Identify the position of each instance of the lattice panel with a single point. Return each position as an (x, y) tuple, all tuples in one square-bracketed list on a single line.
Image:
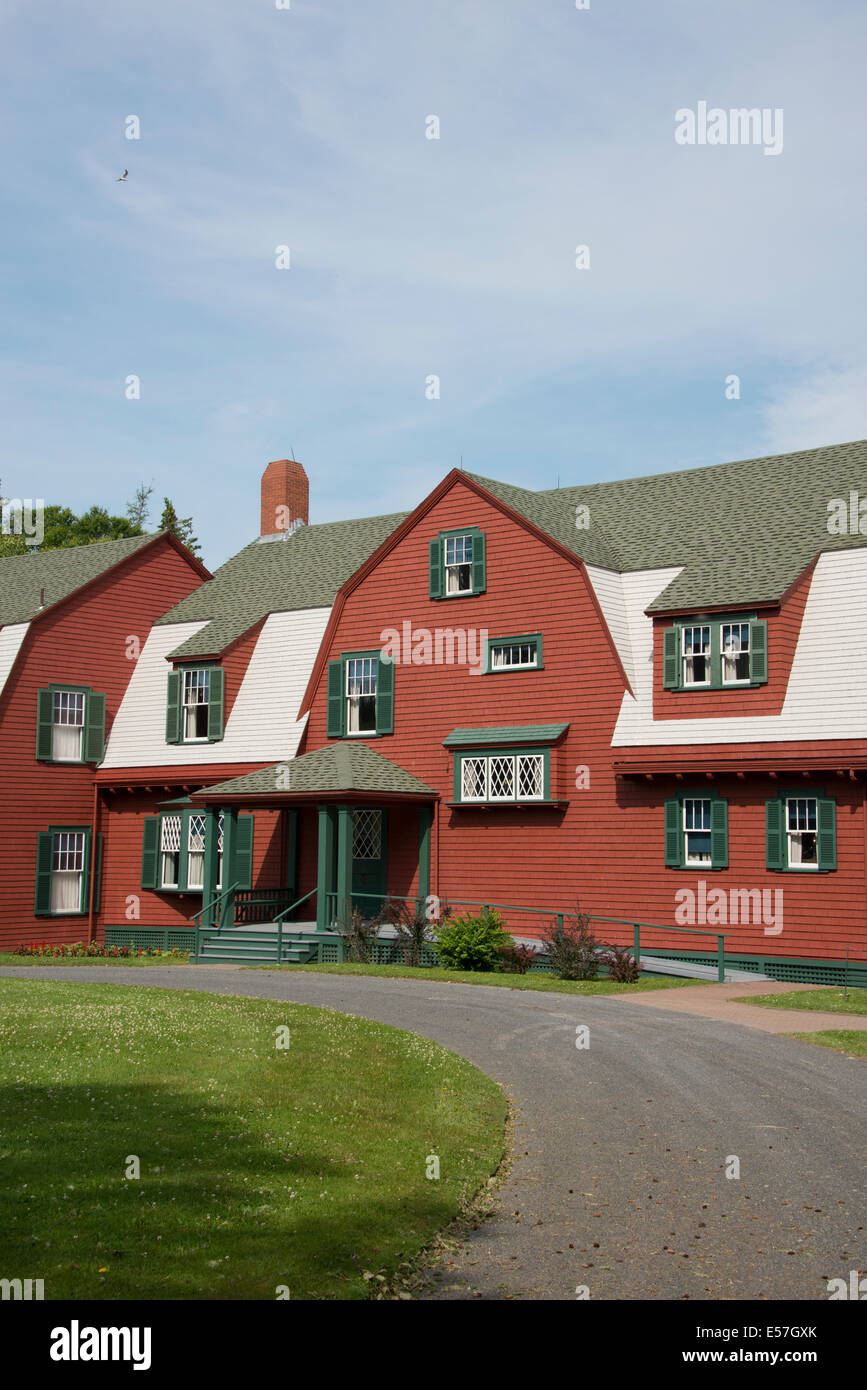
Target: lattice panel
[(197, 834), (171, 835)]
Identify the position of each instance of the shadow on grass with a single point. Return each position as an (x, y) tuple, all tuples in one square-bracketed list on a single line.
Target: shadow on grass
[(226, 1206)]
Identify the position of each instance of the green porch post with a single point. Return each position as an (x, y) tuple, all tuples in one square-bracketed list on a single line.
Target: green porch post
[(325, 866), (344, 863), (425, 819)]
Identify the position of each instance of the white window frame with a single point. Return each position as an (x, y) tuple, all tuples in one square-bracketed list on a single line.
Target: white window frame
[(488, 796), (168, 851), (196, 684), (687, 658), (794, 837), (353, 700), (502, 648), (740, 651), (196, 855), (66, 705), (697, 861), (454, 566)]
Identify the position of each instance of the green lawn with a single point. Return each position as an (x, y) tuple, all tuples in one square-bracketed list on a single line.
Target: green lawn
[(850, 1041), (303, 1167), (6, 958), (547, 983), (828, 1000)]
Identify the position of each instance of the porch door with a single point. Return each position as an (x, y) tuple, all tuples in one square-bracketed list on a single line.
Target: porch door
[(368, 859)]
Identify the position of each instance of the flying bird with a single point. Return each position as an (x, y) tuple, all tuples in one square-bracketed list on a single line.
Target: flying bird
[(122, 178)]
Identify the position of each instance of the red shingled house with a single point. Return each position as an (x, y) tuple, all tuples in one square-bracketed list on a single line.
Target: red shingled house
[(71, 624), (645, 695)]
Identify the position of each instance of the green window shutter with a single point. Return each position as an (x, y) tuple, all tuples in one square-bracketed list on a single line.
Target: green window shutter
[(216, 686), (670, 658), (719, 834), (150, 852), (775, 842), (44, 866), (242, 859), (97, 872), (673, 834), (827, 836), (759, 651), (335, 700), (479, 578), (44, 725), (456, 793), (173, 708), (85, 877), (385, 697), (435, 568), (94, 728)]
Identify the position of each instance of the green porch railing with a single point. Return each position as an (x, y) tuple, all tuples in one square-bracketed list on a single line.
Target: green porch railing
[(279, 921), (215, 916), (560, 916)]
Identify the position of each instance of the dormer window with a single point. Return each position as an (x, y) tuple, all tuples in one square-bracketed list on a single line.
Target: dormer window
[(195, 699), (194, 705), (715, 654)]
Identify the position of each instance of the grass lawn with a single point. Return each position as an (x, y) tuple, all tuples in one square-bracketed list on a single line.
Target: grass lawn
[(6, 958), (842, 1040), (829, 1000), (538, 981), (303, 1166)]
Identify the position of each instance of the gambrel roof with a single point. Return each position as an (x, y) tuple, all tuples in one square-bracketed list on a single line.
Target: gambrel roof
[(302, 569), (742, 531)]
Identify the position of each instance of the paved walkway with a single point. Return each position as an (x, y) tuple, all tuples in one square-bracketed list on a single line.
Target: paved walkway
[(717, 1001), (621, 1149)]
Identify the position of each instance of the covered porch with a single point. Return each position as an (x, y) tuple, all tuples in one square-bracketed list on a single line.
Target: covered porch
[(352, 827)]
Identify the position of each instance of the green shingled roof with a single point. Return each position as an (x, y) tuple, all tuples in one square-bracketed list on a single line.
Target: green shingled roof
[(511, 733), (742, 531), (301, 570), (340, 767), (58, 572)]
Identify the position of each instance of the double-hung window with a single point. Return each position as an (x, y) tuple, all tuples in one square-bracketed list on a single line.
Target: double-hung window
[(715, 654), (457, 563), (801, 832), (360, 697), (63, 871), (361, 680), (696, 831), (194, 704), (70, 725)]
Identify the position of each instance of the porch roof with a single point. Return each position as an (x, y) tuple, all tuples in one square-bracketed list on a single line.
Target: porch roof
[(340, 767), (511, 733)]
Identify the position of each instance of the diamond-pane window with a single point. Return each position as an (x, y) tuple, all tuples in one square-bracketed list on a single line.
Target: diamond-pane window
[(367, 835), (473, 779), (502, 778), (531, 776)]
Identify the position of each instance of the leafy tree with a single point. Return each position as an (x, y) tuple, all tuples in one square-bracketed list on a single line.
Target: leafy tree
[(182, 527)]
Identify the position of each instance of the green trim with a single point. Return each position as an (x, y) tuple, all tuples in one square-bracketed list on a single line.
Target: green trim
[(672, 652), (510, 752), (175, 703), (425, 821), (92, 728), (806, 969), (437, 558), (336, 700), (152, 853), (776, 831), (505, 736), (45, 869), (675, 835), (533, 637)]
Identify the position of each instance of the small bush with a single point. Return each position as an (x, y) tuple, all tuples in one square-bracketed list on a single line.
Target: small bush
[(516, 960), (472, 943), (413, 927), (621, 965), (359, 937), (572, 949), (93, 949)]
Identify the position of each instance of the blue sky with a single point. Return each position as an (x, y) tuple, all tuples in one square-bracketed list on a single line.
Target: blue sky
[(306, 127)]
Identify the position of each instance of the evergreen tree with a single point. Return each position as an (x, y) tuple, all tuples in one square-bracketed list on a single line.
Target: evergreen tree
[(138, 510), (182, 527)]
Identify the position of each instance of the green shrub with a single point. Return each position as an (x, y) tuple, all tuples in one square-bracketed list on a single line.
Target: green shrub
[(472, 943), (572, 949)]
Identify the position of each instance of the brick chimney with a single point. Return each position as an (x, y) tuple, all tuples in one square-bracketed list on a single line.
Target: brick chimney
[(285, 497)]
